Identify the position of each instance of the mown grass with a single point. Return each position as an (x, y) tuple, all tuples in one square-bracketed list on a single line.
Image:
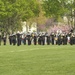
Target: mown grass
[(37, 60)]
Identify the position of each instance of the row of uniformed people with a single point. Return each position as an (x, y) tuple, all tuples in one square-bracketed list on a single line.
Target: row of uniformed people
[(18, 38), (43, 39), (40, 39), (26, 39), (15, 38), (58, 39), (63, 39)]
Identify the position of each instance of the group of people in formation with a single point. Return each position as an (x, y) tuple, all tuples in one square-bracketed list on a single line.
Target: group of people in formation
[(40, 39)]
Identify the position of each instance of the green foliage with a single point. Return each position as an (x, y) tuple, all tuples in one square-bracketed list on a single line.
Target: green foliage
[(56, 8), (51, 7), (12, 12)]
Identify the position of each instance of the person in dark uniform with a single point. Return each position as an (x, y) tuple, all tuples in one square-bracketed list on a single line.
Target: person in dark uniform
[(0, 37), (59, 39), (72, 39), (48, 39), (35, 39), (43, 39), (14, 39), (29, 38), (66, 39), (24, 39), (63, 39), (52, 38), (39, 39), (4, 38), (18, 38), (56, 39), (10, 38)]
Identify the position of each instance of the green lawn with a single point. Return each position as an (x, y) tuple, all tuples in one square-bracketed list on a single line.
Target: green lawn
[(37, 60)]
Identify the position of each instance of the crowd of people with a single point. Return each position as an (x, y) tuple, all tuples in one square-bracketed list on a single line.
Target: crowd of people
[(38, 39)]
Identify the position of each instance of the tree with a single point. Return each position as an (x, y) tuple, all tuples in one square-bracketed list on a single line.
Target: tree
[(56, 8), (12, 12), (51, 8)]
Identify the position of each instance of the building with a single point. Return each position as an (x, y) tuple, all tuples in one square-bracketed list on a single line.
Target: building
[(29, 28)]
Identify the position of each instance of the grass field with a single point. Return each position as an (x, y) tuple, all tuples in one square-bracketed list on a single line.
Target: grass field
[(37, 60)]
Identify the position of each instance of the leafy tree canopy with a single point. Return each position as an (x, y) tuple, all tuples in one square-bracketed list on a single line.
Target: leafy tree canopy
[(12, 12)]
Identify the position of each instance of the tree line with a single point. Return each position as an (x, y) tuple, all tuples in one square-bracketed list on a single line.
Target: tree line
[(60, 8), (12, 12)]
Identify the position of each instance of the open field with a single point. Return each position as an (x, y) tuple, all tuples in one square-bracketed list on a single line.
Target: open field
[(37, 60)]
